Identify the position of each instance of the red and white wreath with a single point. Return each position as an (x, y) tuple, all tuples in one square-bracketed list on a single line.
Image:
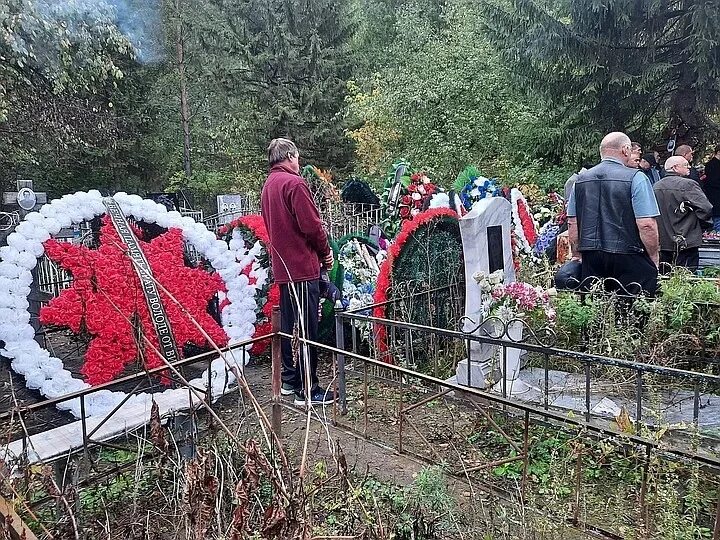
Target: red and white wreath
[(248, 239), (99, 300)]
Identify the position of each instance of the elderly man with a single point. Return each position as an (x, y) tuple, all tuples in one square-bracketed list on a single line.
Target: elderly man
[(611, 220), (684, 212), (298, 244), (688, 153)]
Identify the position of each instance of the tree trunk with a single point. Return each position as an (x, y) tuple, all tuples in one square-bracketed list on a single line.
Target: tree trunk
[(184, 107)]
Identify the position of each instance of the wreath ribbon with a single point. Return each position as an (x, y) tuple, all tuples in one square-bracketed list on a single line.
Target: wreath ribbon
[(158, 315)]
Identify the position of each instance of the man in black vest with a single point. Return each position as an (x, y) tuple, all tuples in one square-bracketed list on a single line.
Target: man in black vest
[(611, 220)]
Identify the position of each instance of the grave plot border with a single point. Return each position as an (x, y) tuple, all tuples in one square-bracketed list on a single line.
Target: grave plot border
[(528, 414)]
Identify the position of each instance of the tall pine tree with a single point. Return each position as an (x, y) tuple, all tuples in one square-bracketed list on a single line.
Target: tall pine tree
[(646, 66), (289, 60)]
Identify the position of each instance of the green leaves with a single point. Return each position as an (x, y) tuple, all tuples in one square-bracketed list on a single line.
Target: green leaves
[(439, 94), (613, 64)]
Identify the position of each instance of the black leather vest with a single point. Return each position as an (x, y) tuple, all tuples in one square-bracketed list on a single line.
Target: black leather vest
[(605, 216)]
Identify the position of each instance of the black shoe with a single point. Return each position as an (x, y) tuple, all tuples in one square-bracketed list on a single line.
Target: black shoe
[(288, 389), (318, 396)]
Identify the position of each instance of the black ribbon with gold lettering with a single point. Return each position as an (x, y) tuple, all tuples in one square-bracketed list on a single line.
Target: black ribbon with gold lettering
[(159, 317)]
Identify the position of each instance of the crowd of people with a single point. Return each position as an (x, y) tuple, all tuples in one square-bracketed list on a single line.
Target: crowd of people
[(628, 216)]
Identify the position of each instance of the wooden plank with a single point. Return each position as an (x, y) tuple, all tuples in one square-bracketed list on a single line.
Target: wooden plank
[(13, 523)]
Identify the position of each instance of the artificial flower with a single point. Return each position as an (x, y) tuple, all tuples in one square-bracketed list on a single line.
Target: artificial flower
[(106, 297)]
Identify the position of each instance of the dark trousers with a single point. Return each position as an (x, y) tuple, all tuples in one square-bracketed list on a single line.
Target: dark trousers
[(689, 258), (299, 298), (635, 272)]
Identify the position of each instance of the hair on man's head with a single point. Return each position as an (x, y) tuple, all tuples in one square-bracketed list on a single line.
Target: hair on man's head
[(280, 149)]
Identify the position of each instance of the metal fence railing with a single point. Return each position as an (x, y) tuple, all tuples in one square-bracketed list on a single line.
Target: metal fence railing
[(350, 218), (341, 218), (644, 435), (401, 420), (655, 398)]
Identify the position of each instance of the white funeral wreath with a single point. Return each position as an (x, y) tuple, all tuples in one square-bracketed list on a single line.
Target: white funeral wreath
[(46, 373)]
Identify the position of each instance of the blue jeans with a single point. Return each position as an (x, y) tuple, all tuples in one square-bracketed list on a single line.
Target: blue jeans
[(716, 223)]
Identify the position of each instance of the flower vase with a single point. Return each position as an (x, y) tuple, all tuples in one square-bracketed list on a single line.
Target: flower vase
[(510, 383)]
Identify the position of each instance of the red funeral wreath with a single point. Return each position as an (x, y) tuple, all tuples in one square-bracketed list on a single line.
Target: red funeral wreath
[(384, 281), (106, 297)]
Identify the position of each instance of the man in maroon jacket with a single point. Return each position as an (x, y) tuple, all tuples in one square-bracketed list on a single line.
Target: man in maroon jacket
[(298, 244)]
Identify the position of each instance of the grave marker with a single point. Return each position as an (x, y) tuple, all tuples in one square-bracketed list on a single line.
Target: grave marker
[(24, 197), (487, 247)]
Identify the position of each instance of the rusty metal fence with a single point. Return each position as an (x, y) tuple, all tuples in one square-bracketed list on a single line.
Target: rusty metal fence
[(518, 426)]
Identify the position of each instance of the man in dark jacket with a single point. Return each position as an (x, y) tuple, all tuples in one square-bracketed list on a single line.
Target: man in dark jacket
[(712, 185), (611, 220), (684, 213), (686, 151), (298, 243), (649, 165)]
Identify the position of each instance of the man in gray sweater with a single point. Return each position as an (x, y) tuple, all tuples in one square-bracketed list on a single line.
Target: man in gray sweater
[(684, 213)]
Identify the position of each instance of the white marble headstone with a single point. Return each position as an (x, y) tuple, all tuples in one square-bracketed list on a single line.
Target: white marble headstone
[(485, 232), (487, 247)]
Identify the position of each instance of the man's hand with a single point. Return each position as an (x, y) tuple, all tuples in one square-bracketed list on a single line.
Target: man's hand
[(329, 261), (649, 236), (573, 236)]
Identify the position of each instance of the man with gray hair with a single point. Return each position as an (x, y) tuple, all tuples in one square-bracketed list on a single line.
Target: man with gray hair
[(686, 151), (298, 244), (685, 212), (611, 220)]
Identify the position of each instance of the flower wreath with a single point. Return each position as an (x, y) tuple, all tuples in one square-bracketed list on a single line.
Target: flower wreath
[(46, 373), (384, 280), (550, 209), (524, 227), (419, 192), (105, 296), (413, 195), (248, 239), (472, 186), (360, 273), (515, 300)]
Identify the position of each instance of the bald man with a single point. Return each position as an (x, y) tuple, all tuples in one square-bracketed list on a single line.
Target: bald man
[(685, 212), (688, 153), (611, 220)]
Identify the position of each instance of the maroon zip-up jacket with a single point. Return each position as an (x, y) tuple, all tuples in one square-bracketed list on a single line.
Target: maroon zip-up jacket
[(298, 241)]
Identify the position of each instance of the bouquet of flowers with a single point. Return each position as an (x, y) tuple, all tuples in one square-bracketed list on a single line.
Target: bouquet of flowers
[(515, 300), (550, 210), (360, 279), (472, 186), (406, 194), (419, 191)]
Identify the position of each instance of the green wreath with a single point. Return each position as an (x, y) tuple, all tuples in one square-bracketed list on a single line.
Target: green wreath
[(431, 258)]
